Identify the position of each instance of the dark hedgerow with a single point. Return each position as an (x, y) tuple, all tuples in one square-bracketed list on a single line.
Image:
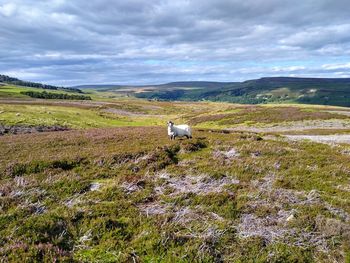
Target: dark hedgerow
[(50, 95)]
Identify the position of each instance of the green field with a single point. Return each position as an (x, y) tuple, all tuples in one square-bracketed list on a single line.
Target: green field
[(11, 91), (72, 117), (114, 188)]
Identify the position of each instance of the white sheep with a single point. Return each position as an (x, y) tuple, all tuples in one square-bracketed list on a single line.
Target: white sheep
[(178, 130)]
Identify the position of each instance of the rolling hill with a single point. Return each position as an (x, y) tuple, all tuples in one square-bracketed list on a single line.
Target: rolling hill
[(14, 81), (324, 91), (179, 84)]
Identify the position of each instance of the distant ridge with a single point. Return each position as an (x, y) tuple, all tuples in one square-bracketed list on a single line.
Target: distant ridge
[(298, 80), (184, 84), (18, 82), (208, 84), (216, 84), (98, 86), (324, 91)]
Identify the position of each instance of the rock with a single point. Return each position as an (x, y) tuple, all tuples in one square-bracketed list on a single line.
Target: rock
[(95, 186), (290, 218), (18, 114)]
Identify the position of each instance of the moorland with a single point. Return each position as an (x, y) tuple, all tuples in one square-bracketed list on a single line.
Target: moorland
[(98, 180)]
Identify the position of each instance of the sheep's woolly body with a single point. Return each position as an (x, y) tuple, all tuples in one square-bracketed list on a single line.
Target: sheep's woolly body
[(179, 131)]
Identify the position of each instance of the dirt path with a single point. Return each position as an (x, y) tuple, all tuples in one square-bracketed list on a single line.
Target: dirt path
[(298, 126), (329, 139), (346, 113), (130, 113)]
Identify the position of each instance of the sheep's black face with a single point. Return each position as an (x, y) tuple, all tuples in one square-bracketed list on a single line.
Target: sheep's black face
[(170, 123)]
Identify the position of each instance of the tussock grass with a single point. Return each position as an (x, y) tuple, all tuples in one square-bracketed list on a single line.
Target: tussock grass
[(124, 194)]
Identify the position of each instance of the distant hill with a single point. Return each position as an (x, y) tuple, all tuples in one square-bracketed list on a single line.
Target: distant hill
[(98, 86), (324, 91), (198, 84), (18, 82), (180, 84)]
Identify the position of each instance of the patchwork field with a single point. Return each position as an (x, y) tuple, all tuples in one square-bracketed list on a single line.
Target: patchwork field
[(268, 183)]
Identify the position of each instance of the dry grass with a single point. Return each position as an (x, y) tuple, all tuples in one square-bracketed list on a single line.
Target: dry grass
[(120, 194)]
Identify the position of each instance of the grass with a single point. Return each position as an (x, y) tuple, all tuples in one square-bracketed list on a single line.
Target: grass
[(72, 117), (262, 115), (116, 189), (11, 91), (46, 197), (125, 111)]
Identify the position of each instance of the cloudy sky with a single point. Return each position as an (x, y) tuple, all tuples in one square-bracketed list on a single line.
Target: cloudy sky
[(71, 42)]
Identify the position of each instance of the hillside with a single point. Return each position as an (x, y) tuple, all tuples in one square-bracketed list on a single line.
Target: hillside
[(268, 90), (321, 91), (180, 84), (130, 194), (17, 82), (99, 181), (300, 90)]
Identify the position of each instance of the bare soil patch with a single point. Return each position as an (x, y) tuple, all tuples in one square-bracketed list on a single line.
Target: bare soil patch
[(328, 139), (341, 112), (297, 126)]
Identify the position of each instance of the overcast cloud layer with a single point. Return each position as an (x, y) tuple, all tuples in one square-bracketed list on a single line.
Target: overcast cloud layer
[(66, 42)]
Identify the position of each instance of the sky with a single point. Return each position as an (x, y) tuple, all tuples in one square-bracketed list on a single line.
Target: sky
[(73, 42)]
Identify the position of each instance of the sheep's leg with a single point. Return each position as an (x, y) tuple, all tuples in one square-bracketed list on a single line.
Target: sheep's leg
[(187, 136)]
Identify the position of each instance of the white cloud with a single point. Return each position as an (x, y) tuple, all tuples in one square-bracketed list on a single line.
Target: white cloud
[(7, 9), (114, 41), (343, 66), (319, 36)]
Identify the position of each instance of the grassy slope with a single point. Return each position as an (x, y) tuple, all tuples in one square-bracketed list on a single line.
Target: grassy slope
[(142, 211), (11, 91), (49, 210), (72, 117)]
